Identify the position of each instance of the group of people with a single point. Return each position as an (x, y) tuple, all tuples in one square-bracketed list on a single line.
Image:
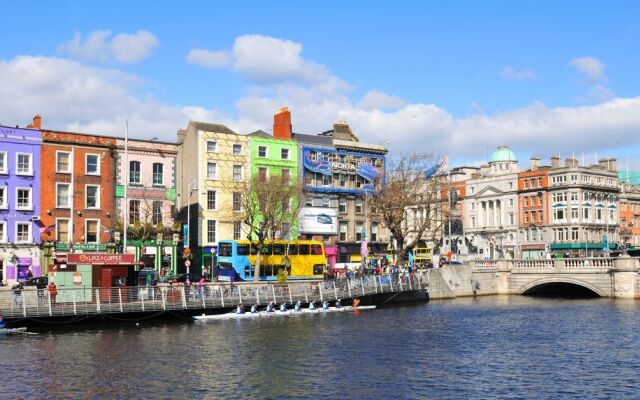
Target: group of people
[(18, 288)]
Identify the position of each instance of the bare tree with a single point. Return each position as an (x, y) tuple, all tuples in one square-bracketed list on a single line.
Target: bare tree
[(412, 184), (269, 210)]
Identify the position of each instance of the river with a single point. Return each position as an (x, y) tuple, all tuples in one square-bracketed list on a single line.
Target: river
[(490, 347)]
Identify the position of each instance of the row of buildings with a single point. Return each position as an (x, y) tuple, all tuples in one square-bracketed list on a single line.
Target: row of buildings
[(563, 207), (64, 192)]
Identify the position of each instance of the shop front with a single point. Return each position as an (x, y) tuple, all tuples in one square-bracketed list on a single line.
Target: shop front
[(19, 264), (155, 254)]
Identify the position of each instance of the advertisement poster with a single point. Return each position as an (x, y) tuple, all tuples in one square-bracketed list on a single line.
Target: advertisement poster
[(319, 220)]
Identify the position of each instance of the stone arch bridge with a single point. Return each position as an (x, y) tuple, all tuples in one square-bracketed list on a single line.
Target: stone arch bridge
[(606, 277)]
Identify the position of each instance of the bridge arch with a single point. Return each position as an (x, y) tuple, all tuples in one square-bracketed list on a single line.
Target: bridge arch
[(537, 283)]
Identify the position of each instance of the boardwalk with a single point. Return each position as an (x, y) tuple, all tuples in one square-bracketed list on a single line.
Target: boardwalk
[(86, 301)]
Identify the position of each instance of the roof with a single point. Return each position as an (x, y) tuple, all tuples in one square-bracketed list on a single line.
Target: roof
[(632, 176), (376, 148), (503, 153), (259, 132), (209, 127), (313, 139)]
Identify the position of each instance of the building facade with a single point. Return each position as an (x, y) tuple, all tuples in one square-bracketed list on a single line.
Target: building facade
[(583, 203), (78, 191), (533, 210), (630, 214), (20, 223), (212, 166), (151, 195), (491, 207)]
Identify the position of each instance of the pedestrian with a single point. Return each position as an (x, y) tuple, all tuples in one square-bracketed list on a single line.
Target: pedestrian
[(53, 292), (17, 293), (3, 325)]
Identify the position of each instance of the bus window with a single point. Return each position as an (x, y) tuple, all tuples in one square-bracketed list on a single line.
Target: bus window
[(224, 265), (278, 249), (316, 249), (225, 249), (266, 250), (243, 249), (293, 249), (254, 248), (304, 250)]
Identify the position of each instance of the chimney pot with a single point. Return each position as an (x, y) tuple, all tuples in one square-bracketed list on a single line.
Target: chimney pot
[(37, 122)]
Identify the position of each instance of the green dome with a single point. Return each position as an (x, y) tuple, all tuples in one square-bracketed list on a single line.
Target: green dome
[(503, 153)]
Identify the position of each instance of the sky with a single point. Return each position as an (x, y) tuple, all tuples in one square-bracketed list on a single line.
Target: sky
[(454, 77)]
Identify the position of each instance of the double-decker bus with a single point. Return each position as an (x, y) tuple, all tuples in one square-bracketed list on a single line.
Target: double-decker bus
[(237, 258)]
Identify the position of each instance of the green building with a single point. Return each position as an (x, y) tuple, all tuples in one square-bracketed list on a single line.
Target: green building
[(270, 158)]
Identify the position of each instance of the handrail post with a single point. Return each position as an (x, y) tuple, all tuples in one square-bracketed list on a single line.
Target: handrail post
[(240, 294), (98, 301), (306, 295), (257, 295), (320, 289), (75, 308), (163, 294), (390, 281), (375, 284), (221, 296), (184, 297), (24, 303), (204, 301), (120, 298), (400, 282), (410, 286), (290, 295), (49, 300), (349, 287), (362, 285), (335, 290), (142, 297), (273, 292)]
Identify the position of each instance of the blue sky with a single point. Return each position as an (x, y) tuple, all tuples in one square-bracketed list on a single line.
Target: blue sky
[(449, 77)]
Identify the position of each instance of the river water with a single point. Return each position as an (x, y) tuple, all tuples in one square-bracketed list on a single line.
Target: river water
[(490, 347)]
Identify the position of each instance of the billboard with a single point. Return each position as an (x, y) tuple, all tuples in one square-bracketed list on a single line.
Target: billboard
[(319, 220)]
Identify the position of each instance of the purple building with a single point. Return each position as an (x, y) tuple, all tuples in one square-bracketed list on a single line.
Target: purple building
[(19, 203)]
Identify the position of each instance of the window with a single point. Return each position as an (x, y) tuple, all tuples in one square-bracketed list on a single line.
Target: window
[(359, 227), (511, 219), (326, 180), (212, 146), (586, 213), (134, 211), (308, 201), (262, 174), (343, 232), (599, 214), (574, 213), (23, 232), (237, 173), (23, 164), (511, 202), (374, 232), (62, 230), (558, 214), (92, 199), (526, 218), (574, 234), (326, 201), (92, 162), (285, 175), (211, 199), (156, 216), (473, 206), (3, 197), (237, 201), (284, 154), (3, 231), (473, 222), (262, 151), (158, 173), (574, 197), (63, 164), (237, 149), (342, 205), (3, 162), (23, 196), (212, 170), (62, 195), (237, 230), (343, 180), (574, 178), (211, 231), (134, 171), (358, 205), (510, 185), (91, 231)]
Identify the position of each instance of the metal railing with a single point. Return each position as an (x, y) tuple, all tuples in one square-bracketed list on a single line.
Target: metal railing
[(80, 301)]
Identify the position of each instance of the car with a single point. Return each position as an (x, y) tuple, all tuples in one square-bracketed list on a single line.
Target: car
[(39, 282), (324, 219)]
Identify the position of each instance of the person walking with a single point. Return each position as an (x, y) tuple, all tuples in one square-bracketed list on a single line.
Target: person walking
[(53, 292)]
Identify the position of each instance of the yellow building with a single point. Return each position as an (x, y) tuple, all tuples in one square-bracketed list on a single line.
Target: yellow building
[(212, 166)]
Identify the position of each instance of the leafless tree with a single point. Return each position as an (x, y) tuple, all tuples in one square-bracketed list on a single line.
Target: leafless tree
[(412, 183), (270, 209)]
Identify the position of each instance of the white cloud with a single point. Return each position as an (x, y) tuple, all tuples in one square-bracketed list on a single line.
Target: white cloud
[(510, 73), (208, 58), (590, 67), (376, 100), (124, 48)]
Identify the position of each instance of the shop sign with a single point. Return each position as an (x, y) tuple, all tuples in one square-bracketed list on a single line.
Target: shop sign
[(24, 261), (171, 194), (119, 191), (101, 258), (90, 247), (77, 278)]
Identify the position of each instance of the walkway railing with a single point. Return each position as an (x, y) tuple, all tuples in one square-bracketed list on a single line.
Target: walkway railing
[(90, 301)]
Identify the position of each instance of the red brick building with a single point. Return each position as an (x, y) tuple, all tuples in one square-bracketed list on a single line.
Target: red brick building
[(78, 184), (533, 208)]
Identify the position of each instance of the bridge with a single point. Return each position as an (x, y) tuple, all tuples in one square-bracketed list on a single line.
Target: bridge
[(78, 303), (604, 277)]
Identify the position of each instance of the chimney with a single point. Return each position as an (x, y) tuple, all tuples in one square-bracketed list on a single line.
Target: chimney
[(608, 163), (570, 162), (555, 161), (37, 122), (475, 175), (535, 163), (282, 124)]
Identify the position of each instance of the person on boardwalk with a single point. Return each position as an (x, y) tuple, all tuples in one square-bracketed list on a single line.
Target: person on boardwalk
[(53, 292), (3, 325), (17, 293)]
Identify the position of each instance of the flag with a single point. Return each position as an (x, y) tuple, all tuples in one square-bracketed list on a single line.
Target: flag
[(436, 168)]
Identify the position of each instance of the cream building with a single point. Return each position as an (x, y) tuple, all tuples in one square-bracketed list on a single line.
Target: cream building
[(212, 162)]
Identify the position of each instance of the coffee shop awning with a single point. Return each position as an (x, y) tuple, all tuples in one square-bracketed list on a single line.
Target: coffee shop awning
[(102, 259)]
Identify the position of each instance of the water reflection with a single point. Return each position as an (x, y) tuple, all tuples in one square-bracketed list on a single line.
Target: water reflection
[(509, 347)]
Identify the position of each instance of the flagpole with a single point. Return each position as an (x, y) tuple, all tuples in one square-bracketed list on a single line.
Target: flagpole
[(126, 183)]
